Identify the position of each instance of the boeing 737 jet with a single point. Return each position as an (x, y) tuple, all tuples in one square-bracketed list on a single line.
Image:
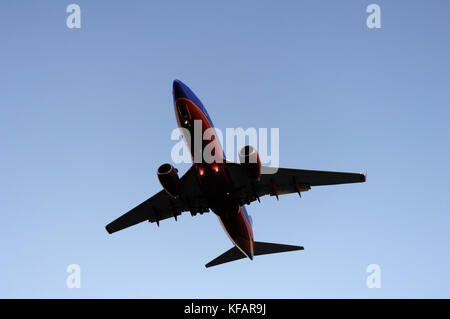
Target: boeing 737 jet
[(221, 186)]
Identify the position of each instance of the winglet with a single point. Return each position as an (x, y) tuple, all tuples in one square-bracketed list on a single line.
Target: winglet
[(363, 177)]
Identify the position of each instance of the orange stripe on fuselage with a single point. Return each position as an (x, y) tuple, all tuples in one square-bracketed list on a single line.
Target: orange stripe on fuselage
[(239, 231)]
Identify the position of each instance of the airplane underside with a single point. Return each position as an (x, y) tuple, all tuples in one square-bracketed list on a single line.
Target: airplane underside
[(239, 231), (221, 186)]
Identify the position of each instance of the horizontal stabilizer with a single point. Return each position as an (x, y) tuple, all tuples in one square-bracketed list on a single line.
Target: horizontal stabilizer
[(230, 255), (260, 248)]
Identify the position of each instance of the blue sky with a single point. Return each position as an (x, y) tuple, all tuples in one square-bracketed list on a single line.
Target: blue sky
[(86, 117)]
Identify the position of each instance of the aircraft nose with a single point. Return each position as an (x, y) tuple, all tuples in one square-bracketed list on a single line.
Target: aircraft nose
[(179, 90)]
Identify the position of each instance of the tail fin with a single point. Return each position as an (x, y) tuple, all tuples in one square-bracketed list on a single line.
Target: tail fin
[(260, 248)]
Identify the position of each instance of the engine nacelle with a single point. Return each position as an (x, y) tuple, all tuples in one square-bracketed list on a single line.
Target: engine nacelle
[(249, 159), (168, 177)]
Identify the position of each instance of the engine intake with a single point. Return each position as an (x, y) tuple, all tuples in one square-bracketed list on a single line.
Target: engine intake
[(168, 177), (249, 159)]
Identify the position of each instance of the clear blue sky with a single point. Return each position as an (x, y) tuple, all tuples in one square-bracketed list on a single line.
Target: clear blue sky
[(86, 117)]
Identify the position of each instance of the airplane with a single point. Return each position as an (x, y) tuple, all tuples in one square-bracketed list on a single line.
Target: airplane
[(222, 187)]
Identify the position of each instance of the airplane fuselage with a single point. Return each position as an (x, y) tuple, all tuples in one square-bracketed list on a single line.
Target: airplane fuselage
[(212, 176)]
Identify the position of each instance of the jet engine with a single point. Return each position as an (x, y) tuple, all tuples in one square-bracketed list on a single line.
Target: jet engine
[(249, 159), (168, 177)]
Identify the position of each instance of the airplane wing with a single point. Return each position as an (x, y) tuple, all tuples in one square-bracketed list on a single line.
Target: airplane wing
[(284, 181), (162, 206)]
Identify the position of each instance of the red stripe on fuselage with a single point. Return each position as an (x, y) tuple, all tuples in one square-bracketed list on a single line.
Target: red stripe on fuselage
[(215, 182)]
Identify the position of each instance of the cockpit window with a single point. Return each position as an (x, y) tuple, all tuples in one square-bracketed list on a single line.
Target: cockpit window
[(184, 114)]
